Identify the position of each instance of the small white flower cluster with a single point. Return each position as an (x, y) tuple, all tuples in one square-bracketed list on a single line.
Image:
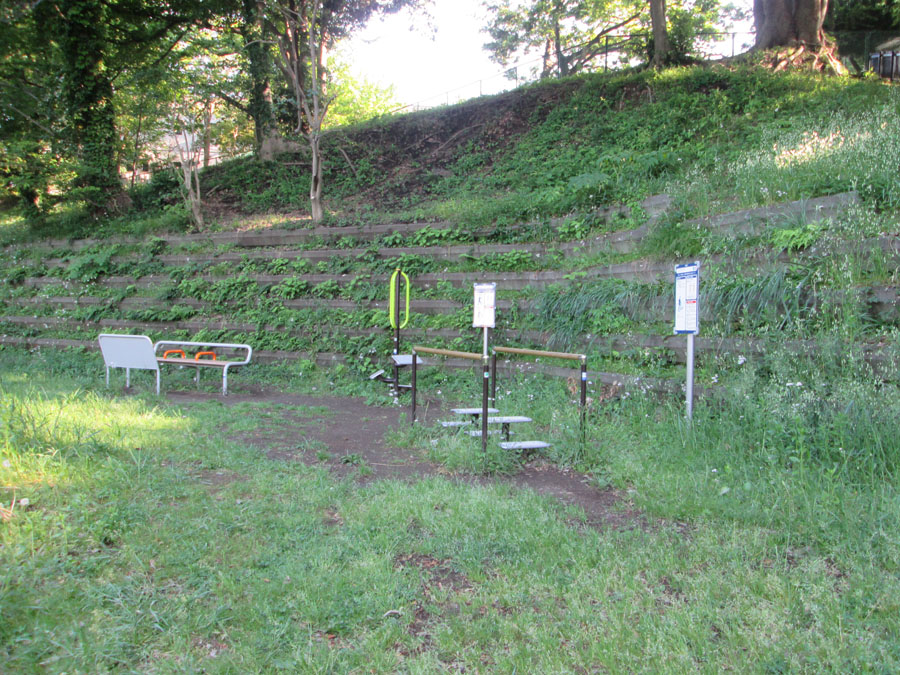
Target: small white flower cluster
[(794, 384)]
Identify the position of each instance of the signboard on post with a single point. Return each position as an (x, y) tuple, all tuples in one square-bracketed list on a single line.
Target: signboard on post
[(485, 305), (687, 319), (687, 296)]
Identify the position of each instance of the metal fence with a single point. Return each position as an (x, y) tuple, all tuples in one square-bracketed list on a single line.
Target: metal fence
[(618, 51)]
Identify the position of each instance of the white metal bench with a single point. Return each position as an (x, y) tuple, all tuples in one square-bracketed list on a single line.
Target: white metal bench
[(138, 352), (209, 349), (128, 352)]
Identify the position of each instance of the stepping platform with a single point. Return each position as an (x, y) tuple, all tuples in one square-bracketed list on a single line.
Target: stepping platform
[(475, 412), (491, 432), (403, 360), (456, 423), (504, 421), (524, 445)]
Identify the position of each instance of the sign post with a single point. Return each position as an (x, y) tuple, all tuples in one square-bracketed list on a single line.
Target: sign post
[(484, 316), (687, 319)]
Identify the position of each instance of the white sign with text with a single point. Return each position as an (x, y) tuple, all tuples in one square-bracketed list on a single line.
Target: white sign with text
[(485, 305)]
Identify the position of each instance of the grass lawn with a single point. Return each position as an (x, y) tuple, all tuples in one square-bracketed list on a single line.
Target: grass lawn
[(140, 535)]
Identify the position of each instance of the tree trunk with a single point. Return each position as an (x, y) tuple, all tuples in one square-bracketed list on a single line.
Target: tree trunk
[(782, 23), (562, 62), (315, 180), (88, 93), (660, 34), (261, 108)]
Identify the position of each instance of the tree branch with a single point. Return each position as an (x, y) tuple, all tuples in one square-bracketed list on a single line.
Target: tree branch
[(33, 121), (233, 102)]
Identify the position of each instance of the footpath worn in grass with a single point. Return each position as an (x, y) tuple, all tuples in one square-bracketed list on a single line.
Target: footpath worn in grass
[(151, 542)]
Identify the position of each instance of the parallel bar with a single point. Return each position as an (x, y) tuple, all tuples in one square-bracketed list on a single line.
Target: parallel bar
[(447, 352), (536, 352)]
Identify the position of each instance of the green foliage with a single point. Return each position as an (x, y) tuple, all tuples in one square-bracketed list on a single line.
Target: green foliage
[(796, 238), (292, 287), (356, 99), (92, 263)]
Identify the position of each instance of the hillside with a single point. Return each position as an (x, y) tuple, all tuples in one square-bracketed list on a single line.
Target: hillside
[(576, 196)]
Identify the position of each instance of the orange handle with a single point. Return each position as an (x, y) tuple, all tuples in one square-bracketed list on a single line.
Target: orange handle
[(199, 354), (173, 351)]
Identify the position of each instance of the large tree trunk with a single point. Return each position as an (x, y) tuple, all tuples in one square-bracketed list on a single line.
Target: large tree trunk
[(261, 108), (89, 97), (660, 35), (789, 22)]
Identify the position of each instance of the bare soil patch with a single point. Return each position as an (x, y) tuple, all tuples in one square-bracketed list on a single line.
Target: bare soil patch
[(352, 435)]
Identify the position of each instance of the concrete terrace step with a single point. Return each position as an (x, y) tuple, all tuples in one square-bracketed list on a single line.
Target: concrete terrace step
[(642, 270), (220, 323), (417, 305), (748, 221), (653, 206), (450, 252)]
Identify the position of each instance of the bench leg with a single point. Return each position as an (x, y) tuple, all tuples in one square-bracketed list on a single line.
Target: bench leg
[(107, 377), (128, 378), (157, 382), (225, 381)]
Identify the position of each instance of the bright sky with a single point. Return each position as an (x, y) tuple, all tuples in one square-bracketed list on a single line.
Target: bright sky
[(426, 61), (437, 64)]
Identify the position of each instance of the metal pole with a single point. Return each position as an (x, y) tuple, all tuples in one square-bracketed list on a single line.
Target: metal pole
[(485, 376), (583, 395), (395, 386), (732, 44), (690, 376), (606, 55), (493, 378), (413, 387)]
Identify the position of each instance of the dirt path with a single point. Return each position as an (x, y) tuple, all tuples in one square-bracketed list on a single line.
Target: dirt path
[(353, 433)]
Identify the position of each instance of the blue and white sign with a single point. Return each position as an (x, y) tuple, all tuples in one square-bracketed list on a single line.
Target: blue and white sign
[(687, 298)]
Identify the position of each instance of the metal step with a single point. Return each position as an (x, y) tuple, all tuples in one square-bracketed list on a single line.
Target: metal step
[(491, 432), (523, 445), (509, 419), (472, 411), (456, 423)]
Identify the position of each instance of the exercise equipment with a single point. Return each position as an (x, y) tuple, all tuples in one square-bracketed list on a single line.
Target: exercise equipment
[(398, 360)]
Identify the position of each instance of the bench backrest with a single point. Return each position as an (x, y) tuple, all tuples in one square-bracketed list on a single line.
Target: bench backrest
[(128, 351)]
